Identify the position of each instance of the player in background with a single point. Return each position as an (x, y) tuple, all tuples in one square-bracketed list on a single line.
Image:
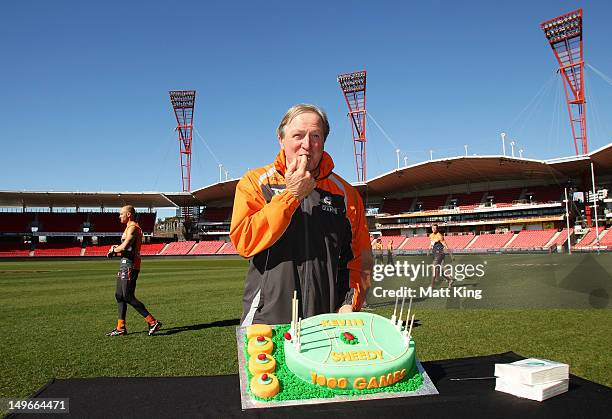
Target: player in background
[(378, 251), (438, 245), (129, 250), (390, 252)]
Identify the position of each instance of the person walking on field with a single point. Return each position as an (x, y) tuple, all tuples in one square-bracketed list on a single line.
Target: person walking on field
[(129, 268)]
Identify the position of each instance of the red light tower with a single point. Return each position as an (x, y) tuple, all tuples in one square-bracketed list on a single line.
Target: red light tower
[(353, 86), (183, 102), (564, 33)]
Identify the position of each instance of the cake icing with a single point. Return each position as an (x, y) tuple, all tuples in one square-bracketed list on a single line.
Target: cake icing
[(354, 351)]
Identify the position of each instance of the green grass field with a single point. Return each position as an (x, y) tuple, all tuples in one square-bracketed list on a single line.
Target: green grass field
[(55, 313)]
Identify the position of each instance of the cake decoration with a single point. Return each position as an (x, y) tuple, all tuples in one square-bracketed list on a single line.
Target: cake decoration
[(262, 363), (259, 330), (259, 344), (349, 338), (265, 385)]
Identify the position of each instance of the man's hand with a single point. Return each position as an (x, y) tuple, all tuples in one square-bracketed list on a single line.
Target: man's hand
[(300, 181), (111, 251)]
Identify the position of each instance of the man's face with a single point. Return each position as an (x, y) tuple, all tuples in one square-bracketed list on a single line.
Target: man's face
[(304, 136), (434, 229), (124, 216)]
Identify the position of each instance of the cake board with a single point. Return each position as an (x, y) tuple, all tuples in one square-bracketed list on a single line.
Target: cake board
[(248, 402)]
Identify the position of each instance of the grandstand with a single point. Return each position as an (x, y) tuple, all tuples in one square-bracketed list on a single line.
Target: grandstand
[(481, 204)]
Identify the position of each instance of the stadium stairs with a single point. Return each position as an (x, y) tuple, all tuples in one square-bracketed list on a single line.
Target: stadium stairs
[(589, 239), (559, 239), (178, 248), (227, 249)]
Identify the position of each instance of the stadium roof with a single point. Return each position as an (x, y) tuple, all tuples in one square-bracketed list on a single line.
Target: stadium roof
[(473, 169), (182, 199), (84, 199), (420, 176), (220, 194)]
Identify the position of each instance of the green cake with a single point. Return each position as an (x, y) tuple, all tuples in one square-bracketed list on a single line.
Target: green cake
[(336, 354), (355, 351)]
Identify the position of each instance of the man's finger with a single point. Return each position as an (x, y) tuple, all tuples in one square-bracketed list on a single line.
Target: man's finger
[(292, 165), (303, 162)]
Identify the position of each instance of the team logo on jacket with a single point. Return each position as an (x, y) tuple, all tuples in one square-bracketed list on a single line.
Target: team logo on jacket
[(326, 205)]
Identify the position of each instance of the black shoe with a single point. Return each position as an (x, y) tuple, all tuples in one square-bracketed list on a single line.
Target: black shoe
[(117, 332), (155, 327)]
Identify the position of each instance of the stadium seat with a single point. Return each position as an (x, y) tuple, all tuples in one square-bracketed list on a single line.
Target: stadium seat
[(97, 250), (532, 239), (178, 248), (589, 238), (561, 239), (606, 238), (146, 249), (504, 197), (108, 222), (228, 249), (60, 221), (150, 249), (430, 203), (16, 222), (544, 194), (208, 247), (416, 243), (396, 206), (458, 242), (14, 250), (467, 201), (57, 249), (491, 241)]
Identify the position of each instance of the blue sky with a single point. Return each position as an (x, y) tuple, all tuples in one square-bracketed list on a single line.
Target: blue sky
[(85, 84)]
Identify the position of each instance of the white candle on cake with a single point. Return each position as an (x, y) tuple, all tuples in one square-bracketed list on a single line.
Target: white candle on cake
[(393, 317), (408, 315), (399, 320)]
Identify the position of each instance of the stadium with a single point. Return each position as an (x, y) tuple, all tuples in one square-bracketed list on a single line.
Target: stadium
[(542, 227), (484, 203)]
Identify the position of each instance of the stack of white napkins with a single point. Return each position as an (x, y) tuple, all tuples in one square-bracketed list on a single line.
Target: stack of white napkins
[(532, 378)]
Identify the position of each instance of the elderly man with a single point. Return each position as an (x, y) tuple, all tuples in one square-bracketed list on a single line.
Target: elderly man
[(303, 228)]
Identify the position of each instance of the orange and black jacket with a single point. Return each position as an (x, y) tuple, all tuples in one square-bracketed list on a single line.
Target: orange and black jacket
[(318, 247)]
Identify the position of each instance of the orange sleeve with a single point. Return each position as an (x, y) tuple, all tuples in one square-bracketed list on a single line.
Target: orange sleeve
[(360, 267), (257, 224)]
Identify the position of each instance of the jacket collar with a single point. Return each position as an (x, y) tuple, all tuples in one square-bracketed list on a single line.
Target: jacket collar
[(326, 165)]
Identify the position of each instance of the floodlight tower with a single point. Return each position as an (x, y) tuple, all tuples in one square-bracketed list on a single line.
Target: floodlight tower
[(564, 33), (353, 86), (183, 102)]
